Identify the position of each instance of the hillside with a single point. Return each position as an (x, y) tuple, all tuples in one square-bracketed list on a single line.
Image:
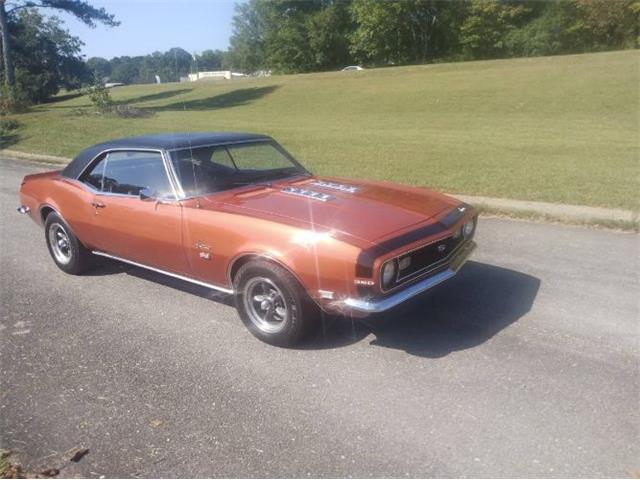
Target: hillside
[(560, 129)]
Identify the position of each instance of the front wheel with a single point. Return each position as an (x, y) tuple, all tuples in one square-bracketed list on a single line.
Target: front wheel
[(65, 248), (272, 304)]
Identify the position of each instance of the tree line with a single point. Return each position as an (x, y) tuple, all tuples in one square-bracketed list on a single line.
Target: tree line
[(292, 36), (39, 56), (309, 35), (169, 66)]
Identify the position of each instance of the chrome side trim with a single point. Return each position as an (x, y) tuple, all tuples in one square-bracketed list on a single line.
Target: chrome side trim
[(375, 306), (169, 274)]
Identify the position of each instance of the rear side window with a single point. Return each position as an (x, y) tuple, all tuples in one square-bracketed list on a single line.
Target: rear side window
[(129, 172)]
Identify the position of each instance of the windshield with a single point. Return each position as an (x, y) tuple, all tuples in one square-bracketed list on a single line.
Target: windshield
[(205, 170)]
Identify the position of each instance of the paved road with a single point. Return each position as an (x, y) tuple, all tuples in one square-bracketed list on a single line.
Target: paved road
[(526, 364)]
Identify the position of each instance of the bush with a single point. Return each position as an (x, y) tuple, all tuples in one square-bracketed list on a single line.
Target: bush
[(8, 124), (103, 103), (12, 101), (100, 97), (8, 129)]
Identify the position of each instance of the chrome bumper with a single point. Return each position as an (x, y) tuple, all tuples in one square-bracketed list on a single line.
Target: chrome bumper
[(380, 305), (23, 210)]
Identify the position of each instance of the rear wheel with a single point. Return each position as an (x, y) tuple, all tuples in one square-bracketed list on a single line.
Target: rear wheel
[(65, 248), (272, 304)]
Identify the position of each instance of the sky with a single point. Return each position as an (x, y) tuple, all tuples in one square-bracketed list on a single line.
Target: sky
[(156, 25)]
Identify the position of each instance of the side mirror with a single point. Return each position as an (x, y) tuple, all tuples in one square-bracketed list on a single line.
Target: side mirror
[(146, 194)]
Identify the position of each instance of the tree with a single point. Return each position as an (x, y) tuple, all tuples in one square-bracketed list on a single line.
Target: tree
[(46, 57), (124, 70), (576, 27), (176, 64), (81, 9), (100, 67), (288, 49), (403, 31), (328, 32), (605, 24), (484, 30), (247, 43), (210, 60)]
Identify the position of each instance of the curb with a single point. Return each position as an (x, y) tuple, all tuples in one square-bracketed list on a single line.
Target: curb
[(575, 214), (34, 157)]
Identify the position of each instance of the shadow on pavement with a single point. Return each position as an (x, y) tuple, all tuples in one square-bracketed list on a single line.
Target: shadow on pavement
[(462, 313), (112, 267)]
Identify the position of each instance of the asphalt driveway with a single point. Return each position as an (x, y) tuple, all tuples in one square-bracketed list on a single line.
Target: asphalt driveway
[(525, 364)]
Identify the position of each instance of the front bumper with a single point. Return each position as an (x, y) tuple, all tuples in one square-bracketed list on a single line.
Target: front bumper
[(368, 306)]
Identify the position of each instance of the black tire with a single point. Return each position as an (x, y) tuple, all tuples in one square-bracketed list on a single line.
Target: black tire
[(300, 312), (70, 256)]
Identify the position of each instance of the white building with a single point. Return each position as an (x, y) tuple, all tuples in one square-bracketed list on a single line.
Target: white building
[(219, 75)]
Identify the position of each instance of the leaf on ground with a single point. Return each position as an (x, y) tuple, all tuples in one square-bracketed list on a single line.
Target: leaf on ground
[(79, 453)]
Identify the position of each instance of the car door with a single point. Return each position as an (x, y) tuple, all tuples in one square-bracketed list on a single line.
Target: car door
[(145, 228)]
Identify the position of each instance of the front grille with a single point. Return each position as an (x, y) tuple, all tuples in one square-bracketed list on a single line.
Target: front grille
[(427, 257)]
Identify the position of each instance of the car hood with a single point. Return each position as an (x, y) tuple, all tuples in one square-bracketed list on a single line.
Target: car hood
[(369, 211)]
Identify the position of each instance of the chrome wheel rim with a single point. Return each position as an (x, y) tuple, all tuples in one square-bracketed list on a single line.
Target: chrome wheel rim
[(265, 305), (60, 244)]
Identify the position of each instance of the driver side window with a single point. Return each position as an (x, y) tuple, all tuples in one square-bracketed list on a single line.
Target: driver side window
[(129, 172)]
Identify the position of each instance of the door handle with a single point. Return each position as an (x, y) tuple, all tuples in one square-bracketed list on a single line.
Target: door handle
[(97, 204)]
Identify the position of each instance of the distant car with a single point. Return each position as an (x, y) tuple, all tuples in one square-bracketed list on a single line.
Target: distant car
[(352, 68), (114, 84), (236, 213)]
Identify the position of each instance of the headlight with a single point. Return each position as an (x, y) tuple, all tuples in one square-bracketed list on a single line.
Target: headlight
[(388, 273), (467, 229)]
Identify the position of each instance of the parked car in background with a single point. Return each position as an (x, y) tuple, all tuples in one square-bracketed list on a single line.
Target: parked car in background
[(235, 212), (352, 68)]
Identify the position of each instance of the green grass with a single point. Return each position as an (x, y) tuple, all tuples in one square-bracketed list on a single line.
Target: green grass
[(559, 129)]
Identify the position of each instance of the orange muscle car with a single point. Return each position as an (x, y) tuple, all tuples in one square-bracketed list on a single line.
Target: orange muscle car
[(236, 213)]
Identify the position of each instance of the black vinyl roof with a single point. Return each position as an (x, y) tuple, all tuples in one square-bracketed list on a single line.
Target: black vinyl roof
[(162, 141)]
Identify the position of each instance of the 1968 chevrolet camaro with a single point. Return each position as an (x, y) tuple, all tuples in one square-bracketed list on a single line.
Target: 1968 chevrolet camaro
[(236, 213)]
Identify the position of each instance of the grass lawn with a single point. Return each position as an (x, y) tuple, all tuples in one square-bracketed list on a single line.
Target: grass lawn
[(560, 129)]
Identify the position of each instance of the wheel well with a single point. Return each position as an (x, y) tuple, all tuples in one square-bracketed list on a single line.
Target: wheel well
[(44, 213), (239, 262)]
